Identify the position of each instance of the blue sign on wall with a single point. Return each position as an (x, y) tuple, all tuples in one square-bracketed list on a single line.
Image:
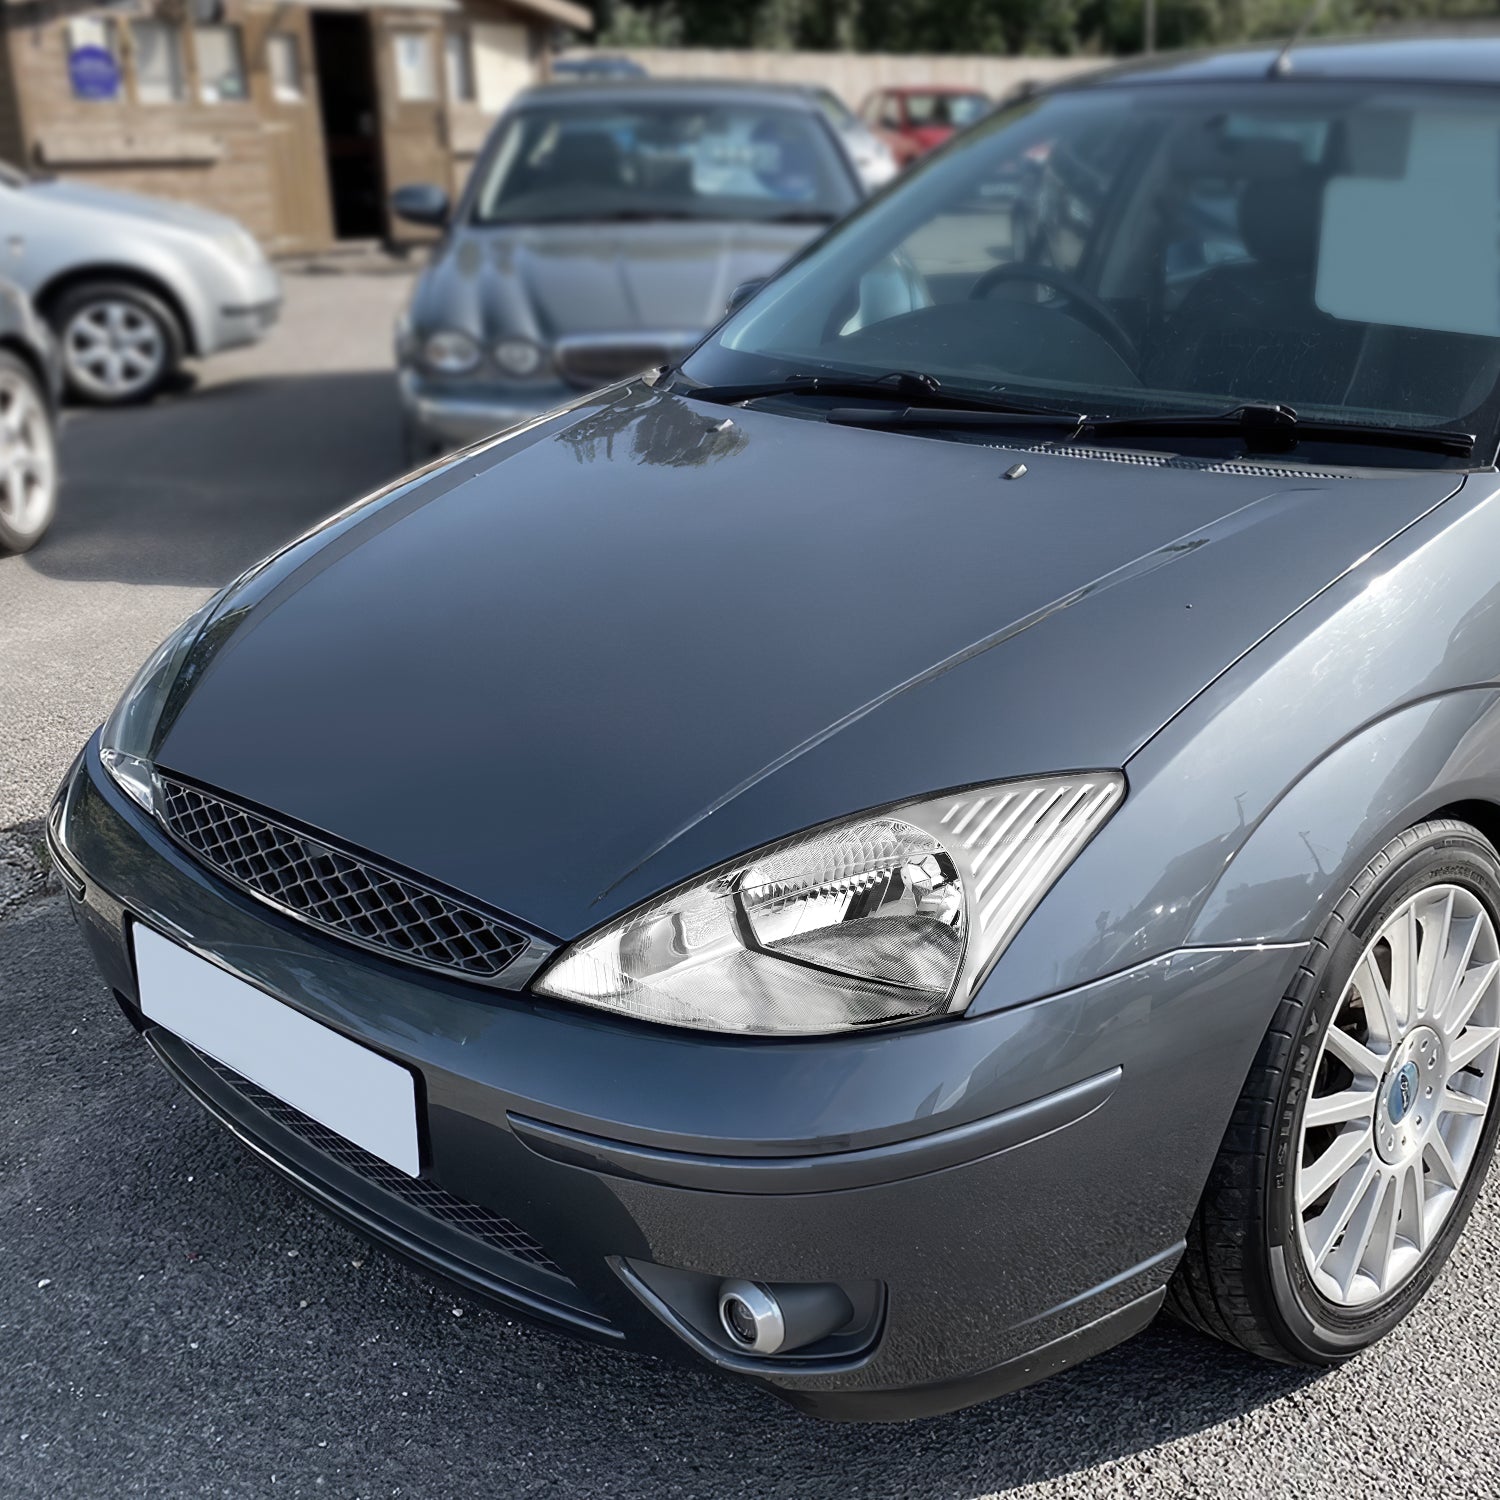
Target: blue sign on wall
[(94, 73)]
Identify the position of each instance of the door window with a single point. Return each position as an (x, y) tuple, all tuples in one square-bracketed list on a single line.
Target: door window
[(221, 64), (160, 76), (284, 63), (458, 61), (416, 70)]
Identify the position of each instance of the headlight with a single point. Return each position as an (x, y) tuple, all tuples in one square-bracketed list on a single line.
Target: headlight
[(450, 352), (896, 916), (239, 244), (519, 357), (126, 741)]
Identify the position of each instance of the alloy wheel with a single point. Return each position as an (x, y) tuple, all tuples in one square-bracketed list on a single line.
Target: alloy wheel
[(28, 460), (1400, 1093), (114, 349)]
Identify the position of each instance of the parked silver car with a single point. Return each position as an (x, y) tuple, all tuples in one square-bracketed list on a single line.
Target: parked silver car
[(131, 285), (603, 230)]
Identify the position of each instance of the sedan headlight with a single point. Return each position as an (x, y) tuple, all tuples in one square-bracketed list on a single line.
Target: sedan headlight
[(450, 351), (519, 358), (126, 741), (895, 916)]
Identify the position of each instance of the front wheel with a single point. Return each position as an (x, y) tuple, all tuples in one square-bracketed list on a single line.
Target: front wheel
[(119, 343), (28, 458), (1363, 1134)]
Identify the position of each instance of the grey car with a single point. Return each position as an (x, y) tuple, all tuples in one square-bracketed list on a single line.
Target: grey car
[(603, 229), (131, 285), (962, 814)]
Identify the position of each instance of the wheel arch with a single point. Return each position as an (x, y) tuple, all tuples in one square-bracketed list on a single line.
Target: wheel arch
[(1438, 757), (48, 295)]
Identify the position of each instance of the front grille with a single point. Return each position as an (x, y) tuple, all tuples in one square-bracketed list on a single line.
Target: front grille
[(589, 366), (341, 893), (426, 1197)]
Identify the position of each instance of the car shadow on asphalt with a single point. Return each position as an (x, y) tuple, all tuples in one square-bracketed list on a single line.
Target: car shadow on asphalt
[(195, 487)]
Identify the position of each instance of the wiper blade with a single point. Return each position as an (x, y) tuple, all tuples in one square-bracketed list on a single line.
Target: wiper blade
[(1008, 414), (924, 400), (1278, 429), (795, 216)]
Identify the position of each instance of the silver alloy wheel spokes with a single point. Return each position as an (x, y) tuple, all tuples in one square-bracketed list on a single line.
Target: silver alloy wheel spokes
[(28, 459), (113, 348), (1400, 1092)]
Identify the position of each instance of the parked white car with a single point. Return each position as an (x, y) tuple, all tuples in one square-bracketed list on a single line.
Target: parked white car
[(131, 285)]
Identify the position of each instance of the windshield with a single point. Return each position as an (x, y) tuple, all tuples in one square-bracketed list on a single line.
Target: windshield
[(1128, 250), (662, 159)]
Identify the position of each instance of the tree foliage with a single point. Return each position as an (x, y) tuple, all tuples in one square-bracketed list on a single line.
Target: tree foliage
[(990, 26)]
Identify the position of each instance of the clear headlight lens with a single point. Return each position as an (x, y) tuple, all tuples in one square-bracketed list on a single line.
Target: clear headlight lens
[(450, 351), (519, 357), (125, 742), (892, 917)]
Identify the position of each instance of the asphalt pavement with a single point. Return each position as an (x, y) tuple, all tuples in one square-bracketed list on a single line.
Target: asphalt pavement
[(176, 1321)]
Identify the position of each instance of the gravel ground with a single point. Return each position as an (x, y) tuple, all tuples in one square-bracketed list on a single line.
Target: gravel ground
[(175, 1321)]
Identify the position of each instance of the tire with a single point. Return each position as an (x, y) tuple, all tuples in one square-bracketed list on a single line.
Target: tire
[(120, 343), (28, 457), (1251, 1274)]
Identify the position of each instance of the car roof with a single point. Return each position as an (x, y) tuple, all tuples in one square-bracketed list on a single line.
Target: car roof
[(1457, 58), (693, 90)]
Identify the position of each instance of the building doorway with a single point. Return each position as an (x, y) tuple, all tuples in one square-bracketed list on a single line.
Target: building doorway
[(345, 55)]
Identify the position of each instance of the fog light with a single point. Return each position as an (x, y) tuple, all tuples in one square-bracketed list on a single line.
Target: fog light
[(751, 1316), (761, 1320)]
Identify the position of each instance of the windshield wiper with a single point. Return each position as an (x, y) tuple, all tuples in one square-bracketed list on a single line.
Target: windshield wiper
[(923, 398), (796, 216), (1269, 428)]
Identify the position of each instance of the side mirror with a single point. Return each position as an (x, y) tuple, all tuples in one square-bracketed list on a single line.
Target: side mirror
[(743, 293), (421, 203)]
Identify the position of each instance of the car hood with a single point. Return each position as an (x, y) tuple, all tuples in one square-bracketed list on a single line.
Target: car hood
[(645, 637), (555, 280), (133, 206)]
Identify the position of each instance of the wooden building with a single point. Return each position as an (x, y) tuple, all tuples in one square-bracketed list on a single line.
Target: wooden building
[(297, 118)]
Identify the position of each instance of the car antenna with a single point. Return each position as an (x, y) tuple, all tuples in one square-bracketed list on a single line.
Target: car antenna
[(1281, 64)]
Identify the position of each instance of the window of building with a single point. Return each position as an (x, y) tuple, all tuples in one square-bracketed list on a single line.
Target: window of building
[(160, 76), (221, 64), (458, 58), (284, 64), (94, 57), (416, 71)]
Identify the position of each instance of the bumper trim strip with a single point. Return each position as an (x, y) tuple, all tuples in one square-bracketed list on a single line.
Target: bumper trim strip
[(827, 1171)]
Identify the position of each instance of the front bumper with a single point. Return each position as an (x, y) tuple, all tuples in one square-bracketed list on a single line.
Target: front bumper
[(246, 306), (1015, 1187), (440, 418)]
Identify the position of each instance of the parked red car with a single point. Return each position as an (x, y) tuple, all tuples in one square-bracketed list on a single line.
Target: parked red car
[(914, 121)]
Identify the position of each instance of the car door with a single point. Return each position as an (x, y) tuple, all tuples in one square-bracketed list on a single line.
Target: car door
[(413, 112)]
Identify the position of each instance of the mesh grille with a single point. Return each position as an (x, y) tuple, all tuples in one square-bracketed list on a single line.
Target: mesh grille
[(426, 1197), (337, 892)]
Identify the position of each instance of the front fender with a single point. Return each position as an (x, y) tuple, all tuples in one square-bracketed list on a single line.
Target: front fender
[(1303, 854)]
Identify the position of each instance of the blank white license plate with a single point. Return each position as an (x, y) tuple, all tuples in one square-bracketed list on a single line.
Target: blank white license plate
[(366, 1098)]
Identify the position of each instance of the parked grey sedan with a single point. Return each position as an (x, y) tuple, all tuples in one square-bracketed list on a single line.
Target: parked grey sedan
[(603, 230), (131, 285)]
